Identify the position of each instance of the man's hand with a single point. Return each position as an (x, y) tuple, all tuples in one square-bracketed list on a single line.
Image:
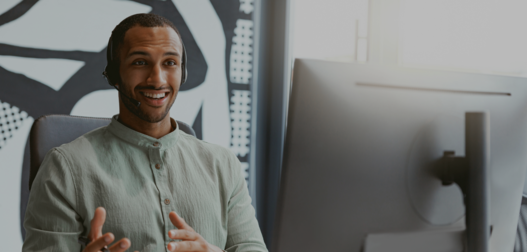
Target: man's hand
[(98, 240), (191, 241)]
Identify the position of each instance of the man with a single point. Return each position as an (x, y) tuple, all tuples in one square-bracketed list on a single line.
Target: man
[(141, 181)]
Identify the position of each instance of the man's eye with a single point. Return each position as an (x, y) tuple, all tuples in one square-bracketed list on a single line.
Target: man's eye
[(171, 63), (140, 63)]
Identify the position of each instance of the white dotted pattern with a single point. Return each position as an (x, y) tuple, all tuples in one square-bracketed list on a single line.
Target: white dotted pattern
[(241, 52), (245, 170), (11, 119), (247, 6), (240, 121)]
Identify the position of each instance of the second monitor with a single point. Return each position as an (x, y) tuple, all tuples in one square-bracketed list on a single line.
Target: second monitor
[(360, 143)]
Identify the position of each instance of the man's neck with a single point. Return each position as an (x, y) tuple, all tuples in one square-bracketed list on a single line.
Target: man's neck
[(155, 130)]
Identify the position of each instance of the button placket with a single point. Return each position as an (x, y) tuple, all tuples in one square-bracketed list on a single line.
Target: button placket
[(156, 162), (159, 174), (161, 180)]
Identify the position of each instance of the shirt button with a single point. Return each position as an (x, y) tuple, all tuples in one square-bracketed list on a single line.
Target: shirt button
[(167, 201), (158, 166), (156, 144)]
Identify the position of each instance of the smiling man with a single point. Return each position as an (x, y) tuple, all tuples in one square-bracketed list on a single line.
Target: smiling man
[(141, 183)]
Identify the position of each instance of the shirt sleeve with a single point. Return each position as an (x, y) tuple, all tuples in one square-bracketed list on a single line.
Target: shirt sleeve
[(243, 231), (51, 222)]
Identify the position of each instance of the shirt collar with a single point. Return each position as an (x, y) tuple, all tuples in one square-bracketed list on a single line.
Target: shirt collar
[(136, 138)]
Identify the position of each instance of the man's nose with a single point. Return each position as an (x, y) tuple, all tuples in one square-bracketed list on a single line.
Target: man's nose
[(156, 77)]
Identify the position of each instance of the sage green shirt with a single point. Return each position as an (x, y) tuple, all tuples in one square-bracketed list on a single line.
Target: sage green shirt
[(139, 180)]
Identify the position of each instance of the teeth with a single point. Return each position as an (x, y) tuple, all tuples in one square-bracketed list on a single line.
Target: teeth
[(155, 96)]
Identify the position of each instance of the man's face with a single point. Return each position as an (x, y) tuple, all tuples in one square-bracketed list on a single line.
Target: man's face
[(150, 69)]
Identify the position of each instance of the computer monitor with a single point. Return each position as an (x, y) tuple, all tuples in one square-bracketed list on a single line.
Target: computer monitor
[(360, 143)]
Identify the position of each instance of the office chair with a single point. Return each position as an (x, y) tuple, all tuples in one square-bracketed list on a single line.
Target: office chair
[(51, 131)]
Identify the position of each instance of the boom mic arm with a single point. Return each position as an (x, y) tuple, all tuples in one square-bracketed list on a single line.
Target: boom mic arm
[(134, 101)]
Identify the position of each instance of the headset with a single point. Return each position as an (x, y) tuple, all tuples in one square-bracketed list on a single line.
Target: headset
[(111, 71)]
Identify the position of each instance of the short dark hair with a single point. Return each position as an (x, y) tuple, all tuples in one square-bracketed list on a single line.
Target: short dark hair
[(117, 39), (141, 19)]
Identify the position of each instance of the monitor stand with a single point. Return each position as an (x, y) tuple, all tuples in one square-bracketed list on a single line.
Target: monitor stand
[(471, 174)]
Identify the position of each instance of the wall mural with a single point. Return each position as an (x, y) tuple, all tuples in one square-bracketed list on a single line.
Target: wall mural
[(52, 53)]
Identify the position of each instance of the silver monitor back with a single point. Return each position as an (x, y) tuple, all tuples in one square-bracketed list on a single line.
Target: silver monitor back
[(359, 144)]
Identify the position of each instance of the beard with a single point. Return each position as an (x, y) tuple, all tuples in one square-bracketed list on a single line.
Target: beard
[(137, 111)]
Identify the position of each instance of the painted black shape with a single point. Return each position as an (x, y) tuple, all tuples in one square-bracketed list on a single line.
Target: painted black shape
[(29, 95), (196, 64), (17, 11), (24, 189), (197, 125), (38, 99), (88, 79), (12, 50)]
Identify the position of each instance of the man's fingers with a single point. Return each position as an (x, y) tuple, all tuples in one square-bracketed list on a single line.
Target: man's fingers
[(178, 221), (183, 234), (121, 245), (96, 223), (100, 242), (186, 246)]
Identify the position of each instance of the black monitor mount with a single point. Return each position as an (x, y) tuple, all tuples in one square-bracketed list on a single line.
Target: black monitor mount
[(471, 174)]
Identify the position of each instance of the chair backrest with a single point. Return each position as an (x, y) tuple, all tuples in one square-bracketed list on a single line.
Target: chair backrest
[(51, 131)]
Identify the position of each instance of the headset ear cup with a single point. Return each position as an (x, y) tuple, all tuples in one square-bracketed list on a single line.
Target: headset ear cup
[(113, 75), (109, 69), (107, 76), (184, 73), (184, 76)]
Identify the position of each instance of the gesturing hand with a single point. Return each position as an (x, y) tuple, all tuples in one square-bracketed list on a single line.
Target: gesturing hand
[(191, 241), (98, 240)]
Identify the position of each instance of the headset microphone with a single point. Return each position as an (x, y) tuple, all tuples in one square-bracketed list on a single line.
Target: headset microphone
[(134, 101)]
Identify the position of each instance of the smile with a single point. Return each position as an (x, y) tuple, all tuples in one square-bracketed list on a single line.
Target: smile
[(155, 98), (154, 95)]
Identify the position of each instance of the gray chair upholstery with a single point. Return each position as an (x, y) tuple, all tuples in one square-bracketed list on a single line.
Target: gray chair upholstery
[(50, 131), (521, 232)]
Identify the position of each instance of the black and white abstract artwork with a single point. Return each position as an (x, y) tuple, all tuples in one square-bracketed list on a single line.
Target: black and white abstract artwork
[(52, 53)]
